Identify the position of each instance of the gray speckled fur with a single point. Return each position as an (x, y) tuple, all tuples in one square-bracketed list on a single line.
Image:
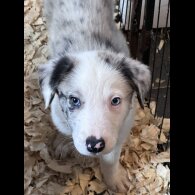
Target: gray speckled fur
[(74, 25), (90, 60)]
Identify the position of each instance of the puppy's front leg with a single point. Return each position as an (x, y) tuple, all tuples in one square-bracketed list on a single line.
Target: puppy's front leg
[(115, 176)]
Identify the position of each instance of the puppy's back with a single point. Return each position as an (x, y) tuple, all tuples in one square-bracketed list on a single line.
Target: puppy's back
[(78, 25)]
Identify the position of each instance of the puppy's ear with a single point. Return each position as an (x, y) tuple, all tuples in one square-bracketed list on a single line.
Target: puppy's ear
[(51, 75), (136, 73)]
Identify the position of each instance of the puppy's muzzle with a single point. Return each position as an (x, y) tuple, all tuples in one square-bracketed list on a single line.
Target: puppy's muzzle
[(95, 145)]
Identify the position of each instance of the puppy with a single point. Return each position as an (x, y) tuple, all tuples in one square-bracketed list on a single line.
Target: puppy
[(91, 82)]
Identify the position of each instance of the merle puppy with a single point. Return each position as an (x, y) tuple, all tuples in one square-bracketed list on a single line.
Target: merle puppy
[(91, 82)]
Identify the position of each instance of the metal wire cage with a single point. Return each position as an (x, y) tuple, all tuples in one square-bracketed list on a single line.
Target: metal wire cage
[(146, 25)]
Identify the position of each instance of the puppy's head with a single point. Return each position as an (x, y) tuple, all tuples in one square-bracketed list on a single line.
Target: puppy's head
[(91, 95)]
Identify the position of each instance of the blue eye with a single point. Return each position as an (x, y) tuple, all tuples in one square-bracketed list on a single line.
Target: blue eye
[(116, 101), (75, 102)]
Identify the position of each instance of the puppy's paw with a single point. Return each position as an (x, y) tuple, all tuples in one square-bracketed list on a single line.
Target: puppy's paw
[(118, 181)]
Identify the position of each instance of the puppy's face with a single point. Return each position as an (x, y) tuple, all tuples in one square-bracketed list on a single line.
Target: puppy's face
[(93, 95)]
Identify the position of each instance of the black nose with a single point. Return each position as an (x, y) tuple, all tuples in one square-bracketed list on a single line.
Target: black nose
[(95, 145)]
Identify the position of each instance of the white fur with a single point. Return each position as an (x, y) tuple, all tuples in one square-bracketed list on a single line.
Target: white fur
[(97, 84), (93, 79)]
